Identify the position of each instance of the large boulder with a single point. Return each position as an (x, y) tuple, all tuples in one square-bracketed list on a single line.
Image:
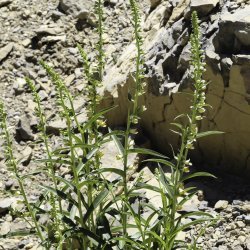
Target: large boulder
[(166, 43), (234, 32)]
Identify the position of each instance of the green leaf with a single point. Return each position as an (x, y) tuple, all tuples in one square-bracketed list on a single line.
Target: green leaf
[(197, 174), (79, 167), (166, 183), (178, 125), (162, 161), (103, 227), (156, 237), (142, 185), (186, 198), (99, 198), (132, 242), (87, 183), (207, 133), (196, 213), (112, 170), (69, 221), (61, 194), (68, 183), (19, 233), (92, 153), (176, 132), (180, 116), (32, 174), (117, 142), (73, 211), (146, 151), (86, 232)]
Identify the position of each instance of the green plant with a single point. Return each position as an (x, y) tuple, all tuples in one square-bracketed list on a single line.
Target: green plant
[(12, 164), (162, 232), (84, 208)]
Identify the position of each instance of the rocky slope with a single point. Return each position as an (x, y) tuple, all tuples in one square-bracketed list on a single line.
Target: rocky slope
[(49, 30)]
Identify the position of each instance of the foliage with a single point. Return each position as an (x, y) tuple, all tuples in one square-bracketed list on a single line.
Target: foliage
[(84, 209)]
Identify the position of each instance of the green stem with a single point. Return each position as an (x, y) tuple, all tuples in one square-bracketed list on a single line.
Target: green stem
[(13, 164)]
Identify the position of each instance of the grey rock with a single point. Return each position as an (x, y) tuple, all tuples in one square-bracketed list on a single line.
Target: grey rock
[(203, 7), (26, 155), (19, 226), (5, 204), (221, 204), (8, 184), (54, 127), (203, 205), (154, 3), (19, 86), (237, 202), (113, 2), (78, 9), (222, 248), (51, 39), (111, 160), (43, 95), (241, 59), (245, 208), (240, 224), (5, 3), (234, 32), (247, 219), (5, 51), (23, 130), (44, 29), (5, 228)]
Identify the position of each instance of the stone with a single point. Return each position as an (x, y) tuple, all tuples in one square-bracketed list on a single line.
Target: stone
[(5, 51), (154, 3), (221, 205), (9, 184), (181, 236), (54, 127), (5, 228), (23, 130), (43, 95), (242, 239), (245, 208), (247, 219), (111, 159), (5, 204), (19, 85), (203, 7), (234, 32), (240, 224), (52, 39), (5, 3), (44, 29), (26, 155), (78, 9)]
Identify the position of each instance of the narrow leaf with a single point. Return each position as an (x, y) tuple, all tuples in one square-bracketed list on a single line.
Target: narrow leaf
[(100, 197), (146, 151), (207, 133), (197, 174)]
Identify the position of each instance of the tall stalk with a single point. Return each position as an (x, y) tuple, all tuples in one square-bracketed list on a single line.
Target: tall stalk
[(13, 167), (190, 132), (94, 77), (55, 201), (135, 110), (68, 114)]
